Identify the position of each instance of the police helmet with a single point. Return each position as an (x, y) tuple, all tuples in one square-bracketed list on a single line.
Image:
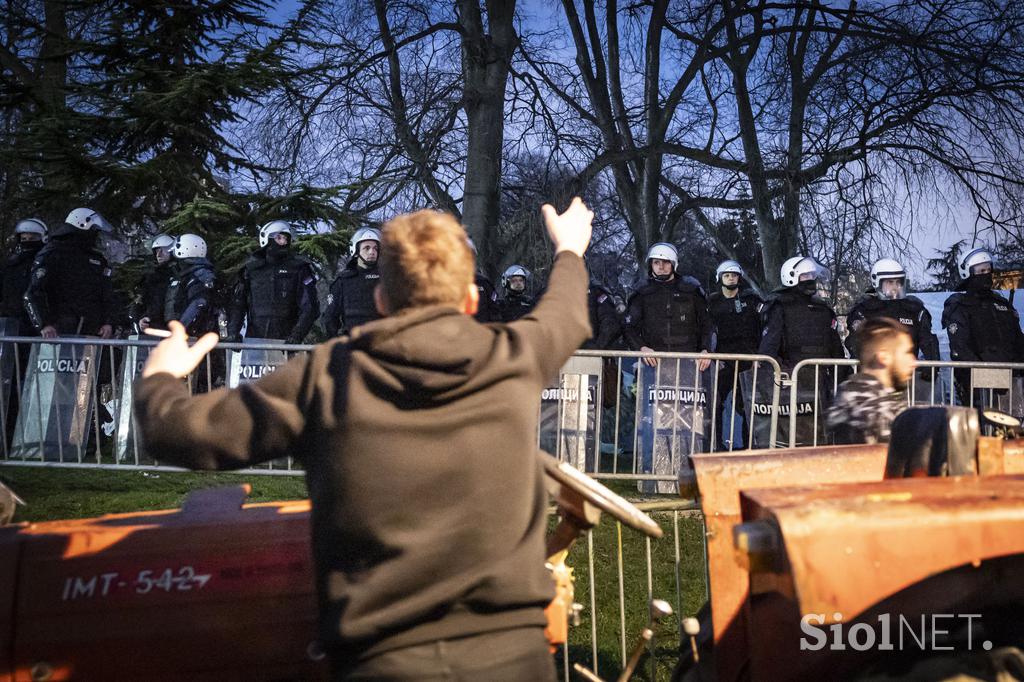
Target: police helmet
[(663, 251), (272, 228), (363, 234), (162, 241), (511, 271), (31, 226), (886, 268), (791, 270), (729, 266), (972, 258), (88, 219), (189, 246)]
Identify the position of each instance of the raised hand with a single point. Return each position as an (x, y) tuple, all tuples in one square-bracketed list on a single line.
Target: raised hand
[(174, 356), (571, 230)]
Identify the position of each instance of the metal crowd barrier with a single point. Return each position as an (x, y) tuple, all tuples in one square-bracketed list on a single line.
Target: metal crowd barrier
[(617, 573), (813, 383), (68, 402)]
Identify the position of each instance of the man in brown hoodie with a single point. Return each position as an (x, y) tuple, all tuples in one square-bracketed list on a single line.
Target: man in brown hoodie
[(418, 434)]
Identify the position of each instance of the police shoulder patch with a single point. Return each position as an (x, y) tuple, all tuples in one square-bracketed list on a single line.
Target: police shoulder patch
[(40, 273), (856, 324), (953, 327), (330, 299)]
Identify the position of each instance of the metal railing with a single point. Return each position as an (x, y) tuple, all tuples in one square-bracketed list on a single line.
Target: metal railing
[(813, 383), (68, 402), (618, 572)]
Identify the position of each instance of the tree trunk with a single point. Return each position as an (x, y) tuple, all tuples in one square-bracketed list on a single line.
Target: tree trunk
[(485, 65)]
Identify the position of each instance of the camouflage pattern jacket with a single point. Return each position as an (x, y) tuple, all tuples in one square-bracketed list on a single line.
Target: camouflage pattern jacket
[(863, 410)]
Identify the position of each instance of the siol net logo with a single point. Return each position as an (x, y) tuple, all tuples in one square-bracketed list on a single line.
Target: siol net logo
[(926, 632)]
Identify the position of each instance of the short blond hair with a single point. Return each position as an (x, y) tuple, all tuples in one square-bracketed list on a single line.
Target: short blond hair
[(425, 260)]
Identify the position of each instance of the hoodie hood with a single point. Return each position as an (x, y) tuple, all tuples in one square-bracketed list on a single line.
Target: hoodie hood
[(433, 352)]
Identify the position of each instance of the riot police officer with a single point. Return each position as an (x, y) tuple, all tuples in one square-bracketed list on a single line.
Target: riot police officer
[(516, 302), (350, 303), (487, 309), (982, 325), (154, 284), (735, 311), (276, 290), (888, 297), (604, 319), (69, 291), (30, 234), (669, 312), (189, 294), (798, 325)]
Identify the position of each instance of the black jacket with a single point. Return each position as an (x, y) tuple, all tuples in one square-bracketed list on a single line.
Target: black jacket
[(189, 295), (737, 321), (982, 326), (669, 316), (14, 279), (276, 291), (487, 310), (909, 311), (70, 286), (154, 294), (512, 307), (604, 319), (350, 303), (428, 516), (799, 327)]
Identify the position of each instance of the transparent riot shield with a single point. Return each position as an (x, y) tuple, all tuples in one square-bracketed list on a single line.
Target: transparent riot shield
[(813, 397), (249, 365), (126, 445), (674, 418), (9, 326), (56, 403), (570, 413)]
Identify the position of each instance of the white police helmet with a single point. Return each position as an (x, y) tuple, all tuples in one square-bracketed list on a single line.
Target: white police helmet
[(272, 228), (972, 258), (729, 266), (31, 226), (511, 271), (886, 268), (791, 270), (663, 251), (88, 219), (162, 241), (363, 234), (189, 246)]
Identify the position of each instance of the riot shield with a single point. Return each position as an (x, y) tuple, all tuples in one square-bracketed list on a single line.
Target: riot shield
[(249, 365), (56, 403), (570, 413), (674, 418), (813, 397), (126, 446)]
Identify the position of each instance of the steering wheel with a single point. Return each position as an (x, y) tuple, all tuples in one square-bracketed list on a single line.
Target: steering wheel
[(599, 495)]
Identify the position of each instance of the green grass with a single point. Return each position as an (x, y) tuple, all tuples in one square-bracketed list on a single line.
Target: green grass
[(65, 493)]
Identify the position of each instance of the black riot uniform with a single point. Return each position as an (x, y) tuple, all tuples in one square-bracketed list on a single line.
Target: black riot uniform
[(737, 322), (799, 326), (909, 311), (154, 293), (70, 287), (14, 279), (276, 290), (982, 327), (351, 300), (188, 296), (604, 320), (487, 310), (669, 316), (513, 306)]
